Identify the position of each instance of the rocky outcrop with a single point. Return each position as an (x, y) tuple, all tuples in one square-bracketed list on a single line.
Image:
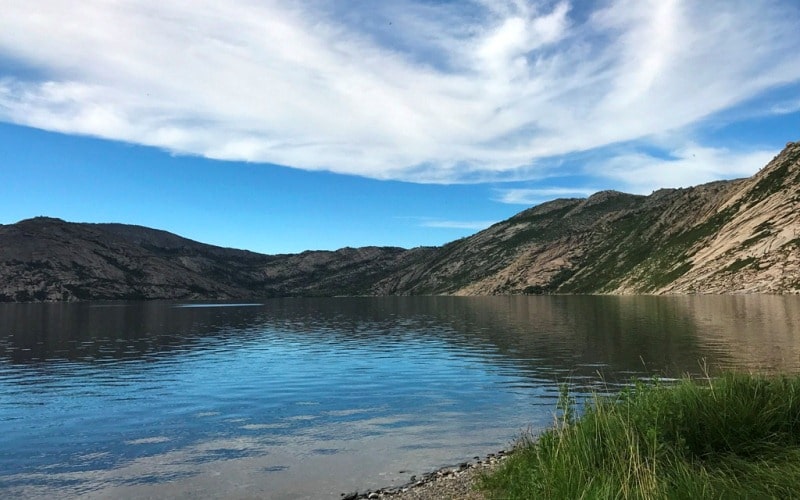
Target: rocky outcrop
[(740, 236)]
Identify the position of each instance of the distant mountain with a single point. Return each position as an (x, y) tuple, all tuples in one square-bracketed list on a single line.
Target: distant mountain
[(724, 237), (45, 259)]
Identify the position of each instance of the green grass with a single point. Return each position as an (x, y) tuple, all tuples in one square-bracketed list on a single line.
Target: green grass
[(737, 436)]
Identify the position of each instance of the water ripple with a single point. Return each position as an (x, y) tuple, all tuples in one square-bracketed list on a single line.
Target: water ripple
[(311, 397)]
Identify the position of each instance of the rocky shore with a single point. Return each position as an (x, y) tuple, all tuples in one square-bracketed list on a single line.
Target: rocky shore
[(448, 483)]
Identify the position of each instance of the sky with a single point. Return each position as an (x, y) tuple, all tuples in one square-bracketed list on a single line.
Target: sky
[(281, 126)]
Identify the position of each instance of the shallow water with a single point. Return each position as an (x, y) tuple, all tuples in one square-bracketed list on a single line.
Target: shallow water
[(310, 398)]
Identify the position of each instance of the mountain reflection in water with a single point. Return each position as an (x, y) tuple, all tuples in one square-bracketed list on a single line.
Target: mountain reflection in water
[(308, 398)]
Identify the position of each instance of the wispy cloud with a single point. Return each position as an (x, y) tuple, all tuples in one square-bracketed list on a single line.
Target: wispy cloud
[(411, 90), (525, 196), (687, 166), (456, 224), (786, 107), (435, 222)]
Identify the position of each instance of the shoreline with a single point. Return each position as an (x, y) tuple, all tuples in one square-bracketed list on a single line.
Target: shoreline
[(448, 482)]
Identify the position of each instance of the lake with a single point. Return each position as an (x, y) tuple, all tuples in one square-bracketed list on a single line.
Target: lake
[(311, 398)]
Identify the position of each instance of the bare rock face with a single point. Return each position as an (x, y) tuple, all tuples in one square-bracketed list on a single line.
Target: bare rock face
[(756, 246), (740, 236)]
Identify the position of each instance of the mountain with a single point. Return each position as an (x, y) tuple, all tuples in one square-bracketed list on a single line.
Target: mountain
[(740, 236), (44, 259), (723, 237)]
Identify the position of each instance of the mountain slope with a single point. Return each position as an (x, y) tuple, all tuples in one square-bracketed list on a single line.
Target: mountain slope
[(755, 245), (723, 237), (49, 259)]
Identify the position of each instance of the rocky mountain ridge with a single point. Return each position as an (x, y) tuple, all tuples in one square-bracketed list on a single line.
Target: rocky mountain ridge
[(47, 259), (740, 236)]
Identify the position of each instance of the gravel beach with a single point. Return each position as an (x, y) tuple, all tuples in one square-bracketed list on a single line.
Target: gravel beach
[(448, 483)]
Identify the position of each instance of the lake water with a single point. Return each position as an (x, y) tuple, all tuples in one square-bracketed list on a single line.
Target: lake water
[(311, 398)]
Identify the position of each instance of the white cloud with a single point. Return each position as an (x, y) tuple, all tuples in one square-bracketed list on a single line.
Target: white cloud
[(687, 166), (456, 224), (533, 196), (786, 107), (390, 90), (434, 222)]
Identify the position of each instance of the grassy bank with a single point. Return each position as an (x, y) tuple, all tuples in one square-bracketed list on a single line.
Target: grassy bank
[(737, 436)]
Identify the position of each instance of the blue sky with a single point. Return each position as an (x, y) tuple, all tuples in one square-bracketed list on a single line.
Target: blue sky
[(282, 126)]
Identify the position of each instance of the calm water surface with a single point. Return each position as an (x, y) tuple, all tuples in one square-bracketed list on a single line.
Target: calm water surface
[(309, 398)]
